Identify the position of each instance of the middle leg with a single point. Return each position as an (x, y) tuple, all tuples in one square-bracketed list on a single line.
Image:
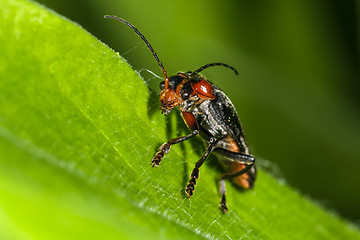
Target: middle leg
[(190, 188)]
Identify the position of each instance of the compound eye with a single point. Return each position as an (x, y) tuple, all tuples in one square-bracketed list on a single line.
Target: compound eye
[(162, 85), (185, 95)]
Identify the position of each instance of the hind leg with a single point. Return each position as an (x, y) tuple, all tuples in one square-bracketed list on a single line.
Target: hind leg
[(245, 159)]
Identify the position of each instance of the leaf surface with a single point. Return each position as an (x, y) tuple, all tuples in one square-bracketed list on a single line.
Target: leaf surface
[(78, 128)]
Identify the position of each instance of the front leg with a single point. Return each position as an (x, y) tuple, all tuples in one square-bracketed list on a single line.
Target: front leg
[(165, 148)]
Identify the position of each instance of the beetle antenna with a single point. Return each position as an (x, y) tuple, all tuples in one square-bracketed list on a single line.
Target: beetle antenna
[(147, 43), (211, 65)]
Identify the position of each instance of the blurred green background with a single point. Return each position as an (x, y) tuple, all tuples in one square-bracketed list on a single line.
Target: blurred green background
[(298, 90)]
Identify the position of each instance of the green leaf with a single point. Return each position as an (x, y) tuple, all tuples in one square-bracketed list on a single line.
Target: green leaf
[(78, 128)]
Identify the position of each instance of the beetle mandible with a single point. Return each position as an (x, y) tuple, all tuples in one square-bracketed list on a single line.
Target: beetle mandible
[(209, 113)]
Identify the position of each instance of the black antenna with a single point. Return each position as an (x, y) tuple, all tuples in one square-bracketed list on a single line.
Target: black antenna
[(147, 43), (211, 65)]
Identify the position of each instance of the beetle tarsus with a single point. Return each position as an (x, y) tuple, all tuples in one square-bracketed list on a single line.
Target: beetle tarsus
[(190, 188), (190, 192), (223, 204), (155, 161), (163, 149)]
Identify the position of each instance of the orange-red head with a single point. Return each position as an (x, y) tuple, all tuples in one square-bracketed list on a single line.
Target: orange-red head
[(183, 87)]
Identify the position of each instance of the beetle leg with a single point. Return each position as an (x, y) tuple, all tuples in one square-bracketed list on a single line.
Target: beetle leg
[(195, 172), (223, 199), (222, 185), (165, 148), (238, 157)]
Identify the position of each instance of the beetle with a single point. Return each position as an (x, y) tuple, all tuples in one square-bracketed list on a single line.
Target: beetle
[(209, 113)]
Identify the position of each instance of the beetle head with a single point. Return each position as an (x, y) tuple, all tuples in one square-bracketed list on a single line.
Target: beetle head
[(184, 88), (169, 97)]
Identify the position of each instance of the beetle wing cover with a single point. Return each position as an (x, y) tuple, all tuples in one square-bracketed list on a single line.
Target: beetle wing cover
[(229, 118)]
